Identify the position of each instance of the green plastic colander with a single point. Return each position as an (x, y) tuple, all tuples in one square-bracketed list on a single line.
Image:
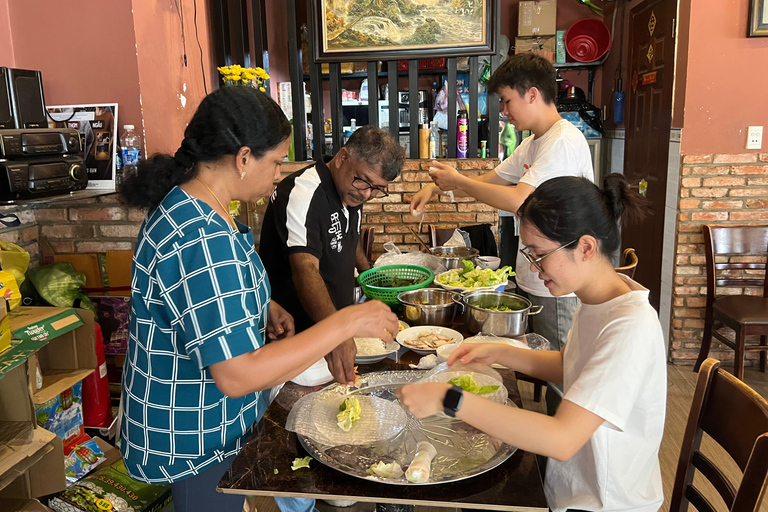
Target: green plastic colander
[(371, 281)]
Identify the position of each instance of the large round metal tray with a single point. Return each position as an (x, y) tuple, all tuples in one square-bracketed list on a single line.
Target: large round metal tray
[(462, 450)]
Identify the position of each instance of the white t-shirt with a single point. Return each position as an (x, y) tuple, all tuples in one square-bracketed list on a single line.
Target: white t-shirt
[(561, 151), (614, 365)]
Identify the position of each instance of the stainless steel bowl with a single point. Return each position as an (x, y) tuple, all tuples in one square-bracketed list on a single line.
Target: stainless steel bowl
[(428, 306), (501, 323), (452, 256)]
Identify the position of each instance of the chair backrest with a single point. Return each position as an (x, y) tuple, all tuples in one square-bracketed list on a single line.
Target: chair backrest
[(438, 236), (736, 417), (744, 241), (367, 242), (628, 263)]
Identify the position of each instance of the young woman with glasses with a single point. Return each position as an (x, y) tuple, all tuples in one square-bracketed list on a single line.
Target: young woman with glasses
[(604, 438)]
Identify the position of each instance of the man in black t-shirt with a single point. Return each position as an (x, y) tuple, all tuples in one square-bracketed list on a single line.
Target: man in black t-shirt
[(310, 236)]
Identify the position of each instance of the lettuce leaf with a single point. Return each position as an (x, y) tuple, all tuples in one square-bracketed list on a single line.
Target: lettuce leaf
[(468, 384), (349, 412), (301, 462)]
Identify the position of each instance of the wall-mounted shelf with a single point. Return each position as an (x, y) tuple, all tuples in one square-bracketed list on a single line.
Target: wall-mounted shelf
[(591, 68), (72, 196), (383, 74)]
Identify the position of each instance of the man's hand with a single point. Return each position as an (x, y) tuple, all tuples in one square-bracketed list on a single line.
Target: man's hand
[(445, 176), (341, 362), (280, 322), (422, 198)]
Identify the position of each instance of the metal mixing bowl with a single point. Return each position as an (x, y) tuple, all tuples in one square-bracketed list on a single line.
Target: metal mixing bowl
[(451, 256), (428, 306), (501, 323)]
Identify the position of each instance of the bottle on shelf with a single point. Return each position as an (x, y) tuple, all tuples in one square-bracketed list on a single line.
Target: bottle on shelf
[(424, 135), (434, 140), (130, 143), (462, 137)]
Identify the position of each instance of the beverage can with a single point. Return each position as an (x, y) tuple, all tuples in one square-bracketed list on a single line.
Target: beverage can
[(462, 135), (483, 149)]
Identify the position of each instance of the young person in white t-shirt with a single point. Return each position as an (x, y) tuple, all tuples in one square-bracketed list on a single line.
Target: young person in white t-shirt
[(603, 442), (527, 88)]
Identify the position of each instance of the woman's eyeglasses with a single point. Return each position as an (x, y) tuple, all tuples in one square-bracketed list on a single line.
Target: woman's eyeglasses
[(363, 185), (536, 262)]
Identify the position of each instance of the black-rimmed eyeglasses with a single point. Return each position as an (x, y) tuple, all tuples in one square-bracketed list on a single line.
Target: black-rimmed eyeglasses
[(363, 185), (536, 262)]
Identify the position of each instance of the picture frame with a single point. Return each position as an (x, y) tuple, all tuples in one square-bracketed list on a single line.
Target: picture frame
[(97, 124), (758, 18), (370, 30)]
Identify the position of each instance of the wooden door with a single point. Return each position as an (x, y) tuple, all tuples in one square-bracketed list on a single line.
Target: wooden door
[(649, 119)]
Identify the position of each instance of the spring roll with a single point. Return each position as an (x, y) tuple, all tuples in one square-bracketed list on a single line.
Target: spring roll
[(421, 466)]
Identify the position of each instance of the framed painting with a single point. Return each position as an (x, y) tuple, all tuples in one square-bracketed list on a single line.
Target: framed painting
[(758, 18), (367, 30)]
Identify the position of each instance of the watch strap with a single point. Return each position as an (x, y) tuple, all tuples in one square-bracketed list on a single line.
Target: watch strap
[(452, 401)]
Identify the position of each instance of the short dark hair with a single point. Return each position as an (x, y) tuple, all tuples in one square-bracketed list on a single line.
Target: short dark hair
[(523, 71), (566, 208), (225, 121), (378, 149)]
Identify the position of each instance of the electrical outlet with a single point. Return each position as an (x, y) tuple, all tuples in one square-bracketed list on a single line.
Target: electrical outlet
[(754, 137)]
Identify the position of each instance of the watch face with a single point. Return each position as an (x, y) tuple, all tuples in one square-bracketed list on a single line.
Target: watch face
[(452, 400)]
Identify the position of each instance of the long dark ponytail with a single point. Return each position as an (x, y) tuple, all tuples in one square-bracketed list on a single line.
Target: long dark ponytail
[(564, 209), (226, 120)]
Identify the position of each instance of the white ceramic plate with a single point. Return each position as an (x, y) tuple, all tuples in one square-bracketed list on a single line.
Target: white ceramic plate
[(446, 350), (389, 348), (403, 337)]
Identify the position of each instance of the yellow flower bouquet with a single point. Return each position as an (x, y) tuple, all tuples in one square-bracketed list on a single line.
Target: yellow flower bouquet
[(238, 75)]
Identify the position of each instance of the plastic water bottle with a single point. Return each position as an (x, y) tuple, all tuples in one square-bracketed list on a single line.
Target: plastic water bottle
[(130, 142), (434, 140)]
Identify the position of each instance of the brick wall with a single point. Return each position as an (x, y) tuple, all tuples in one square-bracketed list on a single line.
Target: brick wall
[(104, 223), (390, 216), (730, 189)]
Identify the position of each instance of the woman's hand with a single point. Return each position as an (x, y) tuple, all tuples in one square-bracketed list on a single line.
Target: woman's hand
[(483, 353), (373, 319), (423, 400), (445, 176), (279, 323)]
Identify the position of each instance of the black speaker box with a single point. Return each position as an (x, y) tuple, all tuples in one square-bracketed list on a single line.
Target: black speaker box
[(27, 101), (6, 107)]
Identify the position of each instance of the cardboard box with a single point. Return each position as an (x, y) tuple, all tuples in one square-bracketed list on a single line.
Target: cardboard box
[(15, 399), (31, 462), (544, 46), (23, 506), (63, 415), (537, 18), (5, 327), (82, 458), (560, 53)]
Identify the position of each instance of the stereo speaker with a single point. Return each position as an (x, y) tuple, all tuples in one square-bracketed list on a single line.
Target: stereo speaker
[(6, 108), (28, 103)]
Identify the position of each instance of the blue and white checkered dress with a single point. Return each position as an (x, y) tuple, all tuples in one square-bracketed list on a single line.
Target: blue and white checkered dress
[(200, 295)]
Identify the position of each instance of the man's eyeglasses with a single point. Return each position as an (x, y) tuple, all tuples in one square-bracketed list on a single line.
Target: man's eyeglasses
[(536, 262), (363, 185)]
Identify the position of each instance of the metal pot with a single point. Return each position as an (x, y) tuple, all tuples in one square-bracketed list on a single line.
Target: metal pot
[(451, 256), (428, 306), (501, 323)]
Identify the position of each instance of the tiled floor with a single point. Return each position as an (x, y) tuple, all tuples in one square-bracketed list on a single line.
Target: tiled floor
[(681, 384)]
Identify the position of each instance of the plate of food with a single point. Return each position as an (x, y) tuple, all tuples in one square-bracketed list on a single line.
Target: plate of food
[(426, 339), (373, 350), (470, 278)]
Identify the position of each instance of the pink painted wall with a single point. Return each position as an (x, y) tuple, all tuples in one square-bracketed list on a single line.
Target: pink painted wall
[(85, 50), (726, 79), (170, 91), (6, 41)]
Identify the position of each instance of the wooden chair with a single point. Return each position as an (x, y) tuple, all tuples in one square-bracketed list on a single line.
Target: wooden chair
[(745, 314), (366, 241), (438, 236), (628, 263), (736, 417)]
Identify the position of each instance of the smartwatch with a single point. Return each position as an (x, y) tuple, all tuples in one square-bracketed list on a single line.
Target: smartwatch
[(453, 400)]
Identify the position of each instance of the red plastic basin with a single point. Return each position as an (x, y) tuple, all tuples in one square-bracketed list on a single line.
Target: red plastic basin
[(587, 40)]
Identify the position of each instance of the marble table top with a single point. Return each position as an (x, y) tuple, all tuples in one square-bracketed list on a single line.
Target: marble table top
[(514, 485)]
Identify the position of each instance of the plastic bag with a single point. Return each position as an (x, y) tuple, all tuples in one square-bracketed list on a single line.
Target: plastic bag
[(61, 285), (393, 256), (15, 260), (531, 340)]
